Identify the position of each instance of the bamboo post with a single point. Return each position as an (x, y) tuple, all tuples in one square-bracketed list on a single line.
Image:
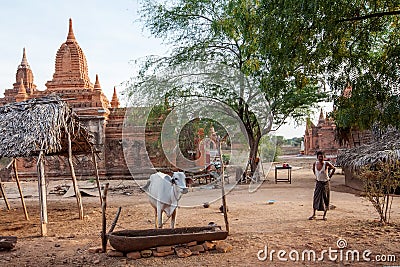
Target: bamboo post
[(20, 190), (3, 193), (225, 208), (42, 194), (104, 220), (74, 181), (97, 175)]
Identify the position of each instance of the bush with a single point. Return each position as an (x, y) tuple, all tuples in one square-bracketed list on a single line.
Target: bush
[(380, 183)]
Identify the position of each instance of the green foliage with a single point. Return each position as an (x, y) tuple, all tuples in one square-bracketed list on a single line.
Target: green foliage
[(270, 148), (295, 141), (292, 50), (361, 40), (233, 32), (380, 182), (226, 158), (338, 43), (189, 133)]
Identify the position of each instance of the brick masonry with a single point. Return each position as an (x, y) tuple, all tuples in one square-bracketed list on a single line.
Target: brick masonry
[(102, 117)]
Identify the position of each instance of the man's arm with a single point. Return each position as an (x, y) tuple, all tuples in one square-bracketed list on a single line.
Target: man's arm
[(313, 168), (330, 168)]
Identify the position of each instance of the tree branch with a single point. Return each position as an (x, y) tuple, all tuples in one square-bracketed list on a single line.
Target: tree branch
[(226, 48), (373, 15)]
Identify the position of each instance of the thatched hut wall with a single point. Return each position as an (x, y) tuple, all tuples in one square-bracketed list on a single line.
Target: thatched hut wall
[(351, 179), (386, 148)]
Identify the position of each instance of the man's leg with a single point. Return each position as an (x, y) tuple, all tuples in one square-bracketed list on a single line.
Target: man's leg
[(326, 199), (313, 215)]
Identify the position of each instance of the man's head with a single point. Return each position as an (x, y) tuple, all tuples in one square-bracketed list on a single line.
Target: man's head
[(320, 156)]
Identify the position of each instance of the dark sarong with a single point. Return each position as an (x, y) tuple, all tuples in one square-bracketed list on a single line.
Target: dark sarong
[(321, 196)]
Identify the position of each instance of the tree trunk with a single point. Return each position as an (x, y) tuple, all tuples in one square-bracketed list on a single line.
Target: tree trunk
[(254, 154)]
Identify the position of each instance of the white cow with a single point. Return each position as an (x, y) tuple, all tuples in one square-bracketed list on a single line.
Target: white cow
[(164, 193)]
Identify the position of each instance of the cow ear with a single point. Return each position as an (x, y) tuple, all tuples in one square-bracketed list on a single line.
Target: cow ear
[(168, 178), (189, 180)]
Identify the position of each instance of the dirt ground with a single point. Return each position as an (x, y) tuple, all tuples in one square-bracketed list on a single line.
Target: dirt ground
[(254, 225)]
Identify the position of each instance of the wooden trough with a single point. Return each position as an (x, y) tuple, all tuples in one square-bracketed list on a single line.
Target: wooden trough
[(136, 240)]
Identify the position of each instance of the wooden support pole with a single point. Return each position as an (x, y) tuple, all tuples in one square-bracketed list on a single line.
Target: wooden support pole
[(224, 206), (42, 194), (74, 181), (3, 193), (97, 175), (104, 220), (114, 223), (20, 190)]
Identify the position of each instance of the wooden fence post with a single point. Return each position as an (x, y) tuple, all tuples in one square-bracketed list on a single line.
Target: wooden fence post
[(20, 190), (3, 193), (104, 219), (225, 208), (42, 194), (74, 181), (97, 175)]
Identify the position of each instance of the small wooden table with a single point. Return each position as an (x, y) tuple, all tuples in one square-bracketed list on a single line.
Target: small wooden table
[(289, 174)]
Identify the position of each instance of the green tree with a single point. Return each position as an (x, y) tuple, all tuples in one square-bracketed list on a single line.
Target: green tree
[(238, 34), (356, 44), (345, 43), (270, 148)]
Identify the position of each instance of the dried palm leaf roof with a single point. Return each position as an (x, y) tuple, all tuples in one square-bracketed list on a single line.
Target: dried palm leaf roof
[(386, 149), (28, 127)]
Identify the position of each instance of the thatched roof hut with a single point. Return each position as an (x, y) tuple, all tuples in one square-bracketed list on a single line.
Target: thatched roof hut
[(40, 127), (28, 127), (386, 149)]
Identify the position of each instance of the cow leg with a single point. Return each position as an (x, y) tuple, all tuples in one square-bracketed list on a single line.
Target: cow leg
[(155, 218), (173, 216), (159, 215)]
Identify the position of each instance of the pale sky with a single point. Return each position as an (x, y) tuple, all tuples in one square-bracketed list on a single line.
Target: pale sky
[(107, 31)]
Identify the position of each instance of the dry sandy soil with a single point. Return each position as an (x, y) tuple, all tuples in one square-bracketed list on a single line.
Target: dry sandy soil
[(254, 224)]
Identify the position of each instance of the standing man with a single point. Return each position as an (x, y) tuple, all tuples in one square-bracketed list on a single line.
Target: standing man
[(323, 171)]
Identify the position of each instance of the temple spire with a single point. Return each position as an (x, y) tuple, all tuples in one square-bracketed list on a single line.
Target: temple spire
[(97, 83), (24, 61), (114, 101), (71, 36)]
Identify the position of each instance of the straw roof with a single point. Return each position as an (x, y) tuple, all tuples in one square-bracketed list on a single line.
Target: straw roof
[(28, 127), (386, 149)]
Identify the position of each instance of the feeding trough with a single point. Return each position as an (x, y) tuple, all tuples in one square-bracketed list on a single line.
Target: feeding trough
[(136, 240), (139, 240)]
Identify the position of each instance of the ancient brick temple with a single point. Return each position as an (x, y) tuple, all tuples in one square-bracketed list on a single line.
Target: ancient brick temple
[(102, 117), (321, 136)]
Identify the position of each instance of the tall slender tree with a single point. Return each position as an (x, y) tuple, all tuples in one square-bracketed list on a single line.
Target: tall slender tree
[(249, 36)]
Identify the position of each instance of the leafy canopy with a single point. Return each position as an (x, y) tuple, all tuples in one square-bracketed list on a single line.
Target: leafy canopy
[(251, 36)]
